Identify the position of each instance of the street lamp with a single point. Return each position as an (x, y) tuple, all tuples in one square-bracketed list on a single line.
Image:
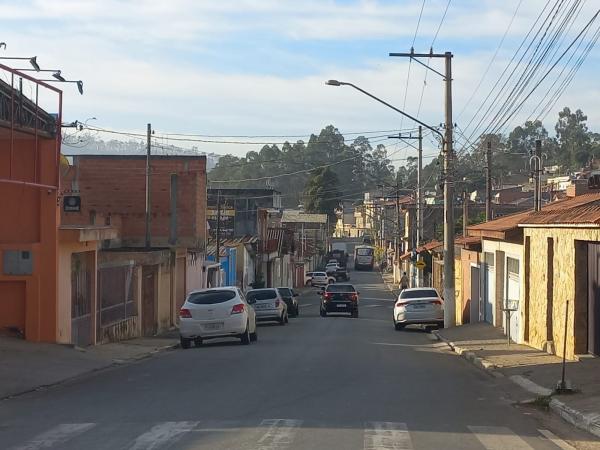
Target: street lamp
[(32, 60), (55, 72), (57, 80), (414, 119)]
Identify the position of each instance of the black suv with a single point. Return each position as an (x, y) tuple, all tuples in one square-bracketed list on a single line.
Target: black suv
[(339, 298), (289, 297)]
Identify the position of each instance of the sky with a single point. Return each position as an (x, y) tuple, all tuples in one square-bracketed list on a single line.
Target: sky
[(258, 67)]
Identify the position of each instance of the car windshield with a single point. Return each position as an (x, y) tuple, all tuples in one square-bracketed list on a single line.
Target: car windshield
[(420, 293), (340, 288), (211, 297), (267, 294)]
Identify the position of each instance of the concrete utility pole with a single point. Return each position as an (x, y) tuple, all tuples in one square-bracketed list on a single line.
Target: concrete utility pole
[(488, 182), (218, 233), (449, 299), (420, 189), (465, 213), (538, 173), (148, 185)]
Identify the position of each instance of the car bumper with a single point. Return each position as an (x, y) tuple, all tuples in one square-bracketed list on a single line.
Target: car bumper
[(340, 307), (231, 326), (268, 314), (418, 317)]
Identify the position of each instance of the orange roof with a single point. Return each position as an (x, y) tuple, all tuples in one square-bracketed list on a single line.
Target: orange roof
[(580, 210), (500, 228)]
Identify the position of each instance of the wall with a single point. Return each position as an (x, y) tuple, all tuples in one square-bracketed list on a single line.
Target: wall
[(194, 274), (165, 292), (106, 193), (457, 289), (566, 269), (468, 257), (504, 250), (29, 218)]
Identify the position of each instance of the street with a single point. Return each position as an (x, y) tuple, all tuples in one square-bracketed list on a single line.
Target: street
[(317, 383)]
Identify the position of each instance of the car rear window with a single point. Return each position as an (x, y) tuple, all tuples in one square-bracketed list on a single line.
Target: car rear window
[(364, 251), (261, 295), (319, 274), (340, 288), (210, 297), (285, 291), (422, 293)]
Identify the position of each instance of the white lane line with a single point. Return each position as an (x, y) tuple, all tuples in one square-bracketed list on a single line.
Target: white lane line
[(280, 434), (308, 304), (371, 306), (56, 435), (499, 438), (387, 436), (161, 434), (556, 440)]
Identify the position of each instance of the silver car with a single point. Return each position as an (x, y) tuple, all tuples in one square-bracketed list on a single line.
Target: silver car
[(418, 306), (268, 304)]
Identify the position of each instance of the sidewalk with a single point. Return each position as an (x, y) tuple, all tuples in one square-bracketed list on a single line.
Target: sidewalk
[(27, 366), (388, 279), (533, 370)]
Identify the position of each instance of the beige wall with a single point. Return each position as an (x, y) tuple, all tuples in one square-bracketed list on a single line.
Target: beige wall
[(563, 287), (164, 297)]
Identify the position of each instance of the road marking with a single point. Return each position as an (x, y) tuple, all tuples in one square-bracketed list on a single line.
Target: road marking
[(308, 304), (163, 433), (280, 435), (387, 436), (371, 306), (556, 440), (56, 435), (499, 438), (378, 299)]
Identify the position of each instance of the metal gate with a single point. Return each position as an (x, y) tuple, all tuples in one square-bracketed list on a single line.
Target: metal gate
[(116, 301), (489, 285), (149, 281), (81, 300), (594, 299)]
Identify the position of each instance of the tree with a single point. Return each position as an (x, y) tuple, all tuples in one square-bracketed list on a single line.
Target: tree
[(573, 138), (322, 194)]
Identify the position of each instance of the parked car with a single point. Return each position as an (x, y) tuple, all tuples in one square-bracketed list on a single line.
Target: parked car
[(332, 267), (268, 304), (339, 298), (216, 313), (290, 299), (418, 306), (321, 279), (308, 278)]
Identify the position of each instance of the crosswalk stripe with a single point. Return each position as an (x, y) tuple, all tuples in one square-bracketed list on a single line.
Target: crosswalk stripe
[(556, 440), (499, 438), (387, 436), (280, 435), (166, 432), (57, 435)]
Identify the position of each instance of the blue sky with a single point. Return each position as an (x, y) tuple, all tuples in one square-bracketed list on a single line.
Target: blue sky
[(257, 66)]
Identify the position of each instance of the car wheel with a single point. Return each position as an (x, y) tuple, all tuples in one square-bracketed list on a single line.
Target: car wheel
[(287, 318), (399, 326), (323, 313), (297, 310), (254, 336), (282, 319), (440, 325), (198, 342), (330, 281), (185, 343), (309, 283), (355, 314), (245, 337)]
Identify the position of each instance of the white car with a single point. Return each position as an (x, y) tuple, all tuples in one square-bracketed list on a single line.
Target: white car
[(418, 306), (269, 304), (332, 267), (308, 278), (321, 279), (216, 313)]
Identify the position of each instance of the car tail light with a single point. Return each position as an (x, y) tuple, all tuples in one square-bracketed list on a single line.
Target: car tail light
[(276, 303), (185, 313), (327, 295), (401, 303), (237, 309), (436, 302), (354, 297)]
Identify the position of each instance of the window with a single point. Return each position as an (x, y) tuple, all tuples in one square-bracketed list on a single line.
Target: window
[(512, 266), (421, 293), (286, 292), (489, 259), (340, 288), (267, 294), (211, 297), (364, 251)]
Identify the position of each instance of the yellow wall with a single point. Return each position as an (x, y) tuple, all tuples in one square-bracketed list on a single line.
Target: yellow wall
[(565, 271), (164, 297)]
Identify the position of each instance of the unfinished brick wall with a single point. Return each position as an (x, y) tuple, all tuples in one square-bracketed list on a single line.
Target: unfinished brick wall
[(112, 190)]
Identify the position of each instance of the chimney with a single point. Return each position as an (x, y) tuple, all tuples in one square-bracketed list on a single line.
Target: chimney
[(577, 187)]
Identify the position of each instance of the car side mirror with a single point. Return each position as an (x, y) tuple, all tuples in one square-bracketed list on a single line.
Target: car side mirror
[(295, 294)]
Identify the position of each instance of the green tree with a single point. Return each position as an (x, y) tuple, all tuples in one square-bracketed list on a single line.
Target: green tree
[(574, 140), (322, 194)]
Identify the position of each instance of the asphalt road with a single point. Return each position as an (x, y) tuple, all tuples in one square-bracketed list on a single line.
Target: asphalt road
[(317, 383)]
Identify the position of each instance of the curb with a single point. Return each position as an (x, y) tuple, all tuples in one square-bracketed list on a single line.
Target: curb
[(586, 422), (112, 364)]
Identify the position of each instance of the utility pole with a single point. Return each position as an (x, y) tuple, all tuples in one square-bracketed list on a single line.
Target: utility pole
[(488, 182), (148, 185), (538, 174), (218, 249), (465, 213), (449, 294)]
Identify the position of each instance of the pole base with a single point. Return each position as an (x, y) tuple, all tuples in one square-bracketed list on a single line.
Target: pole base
[(565, 387)]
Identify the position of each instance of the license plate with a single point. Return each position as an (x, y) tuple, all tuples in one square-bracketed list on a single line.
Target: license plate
[(262, 306), (341, 306), (213, 326), (418, 306)]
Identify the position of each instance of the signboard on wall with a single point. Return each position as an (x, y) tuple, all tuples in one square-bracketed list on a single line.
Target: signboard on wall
[(72, 203), (227, 222)]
